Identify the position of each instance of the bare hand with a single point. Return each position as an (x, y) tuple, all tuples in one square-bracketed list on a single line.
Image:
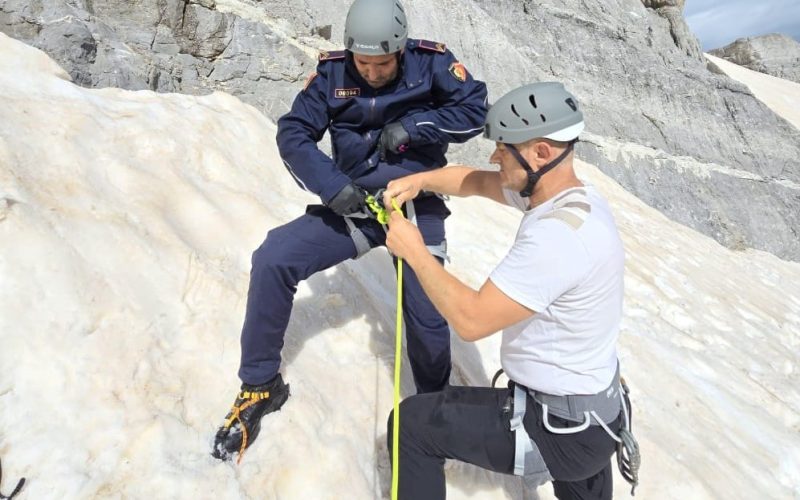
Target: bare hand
[(403, 238), (402, 190)]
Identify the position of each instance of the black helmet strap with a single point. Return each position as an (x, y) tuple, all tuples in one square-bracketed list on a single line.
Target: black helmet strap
[(533, 177)]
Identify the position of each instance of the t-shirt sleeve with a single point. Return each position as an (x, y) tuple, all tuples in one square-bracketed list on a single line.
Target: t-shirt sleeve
[(547, 260)]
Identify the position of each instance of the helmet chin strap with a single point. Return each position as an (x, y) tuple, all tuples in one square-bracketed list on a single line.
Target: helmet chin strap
[(533, 177)]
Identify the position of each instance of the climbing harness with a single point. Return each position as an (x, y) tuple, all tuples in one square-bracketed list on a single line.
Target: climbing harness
[(602, 407), (245, 400), (16, 491), (374, 209)]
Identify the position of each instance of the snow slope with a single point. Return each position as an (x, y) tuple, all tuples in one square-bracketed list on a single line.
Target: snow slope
[(126, 224)]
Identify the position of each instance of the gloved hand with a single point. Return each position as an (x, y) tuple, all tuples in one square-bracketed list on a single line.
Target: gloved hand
[(348, 201), (394, 139)]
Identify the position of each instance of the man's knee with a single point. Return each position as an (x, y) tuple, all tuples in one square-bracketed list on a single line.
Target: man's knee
[(274, 254), (415, 413), (597, 487)]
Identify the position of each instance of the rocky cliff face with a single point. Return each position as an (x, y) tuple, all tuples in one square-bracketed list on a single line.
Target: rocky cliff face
[(774, 54), (690, 142)]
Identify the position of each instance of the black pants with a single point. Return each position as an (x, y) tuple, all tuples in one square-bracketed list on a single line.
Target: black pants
[(471, 424)]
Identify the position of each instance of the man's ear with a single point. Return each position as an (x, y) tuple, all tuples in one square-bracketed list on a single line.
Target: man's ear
[(543, 152)]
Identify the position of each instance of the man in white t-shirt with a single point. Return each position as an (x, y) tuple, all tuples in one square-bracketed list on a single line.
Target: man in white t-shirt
[(556, 296)]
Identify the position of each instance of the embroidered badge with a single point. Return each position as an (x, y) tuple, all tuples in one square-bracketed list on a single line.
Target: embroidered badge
[(309, 79), (458, 71), (347, 93)]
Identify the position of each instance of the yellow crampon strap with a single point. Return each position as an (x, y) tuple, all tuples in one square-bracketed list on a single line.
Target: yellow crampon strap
[(383, 217), (252, 398)]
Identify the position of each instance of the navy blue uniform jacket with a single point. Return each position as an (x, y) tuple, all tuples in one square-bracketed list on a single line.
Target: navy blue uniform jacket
[(434, 97)]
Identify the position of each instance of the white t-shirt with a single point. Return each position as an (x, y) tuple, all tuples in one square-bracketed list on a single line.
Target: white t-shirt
[(567, 265)]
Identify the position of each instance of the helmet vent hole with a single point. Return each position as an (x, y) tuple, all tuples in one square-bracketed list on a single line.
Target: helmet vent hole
[(543, 118), (400, 7), (526, 122), (532, 98), (398, 20), (503, 124), (514, 109), (572, 104)]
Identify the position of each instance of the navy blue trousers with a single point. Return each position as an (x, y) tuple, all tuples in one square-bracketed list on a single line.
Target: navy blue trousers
[(317, 241)]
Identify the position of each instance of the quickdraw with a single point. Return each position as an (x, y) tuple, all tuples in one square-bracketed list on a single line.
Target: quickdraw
[(628, 457), (245, 400), (16, 491)]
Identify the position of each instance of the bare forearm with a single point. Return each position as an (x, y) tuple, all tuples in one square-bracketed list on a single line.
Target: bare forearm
[(459, 180), (472, 314)]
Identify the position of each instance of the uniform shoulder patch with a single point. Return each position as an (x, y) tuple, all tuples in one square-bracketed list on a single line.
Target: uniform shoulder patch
[(432, 46), (458, 71), (332, 55)]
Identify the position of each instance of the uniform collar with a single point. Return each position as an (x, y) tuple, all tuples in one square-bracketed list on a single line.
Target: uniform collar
[(410, 67)]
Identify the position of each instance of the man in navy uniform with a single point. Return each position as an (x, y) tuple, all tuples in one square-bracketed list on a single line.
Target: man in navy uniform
[(391, 105)]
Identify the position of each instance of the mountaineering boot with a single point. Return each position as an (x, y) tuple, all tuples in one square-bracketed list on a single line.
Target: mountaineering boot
[(243, 422), (18, 488)]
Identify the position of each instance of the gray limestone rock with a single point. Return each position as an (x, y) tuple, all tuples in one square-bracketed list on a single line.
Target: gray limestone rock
[(73, 46), (672, 11), (773, 54), (662, 121)]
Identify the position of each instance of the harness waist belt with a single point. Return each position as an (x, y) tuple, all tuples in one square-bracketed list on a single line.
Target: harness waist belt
[(605, 404)]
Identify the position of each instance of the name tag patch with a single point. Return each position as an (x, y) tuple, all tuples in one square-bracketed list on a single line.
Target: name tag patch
[(345, 93)]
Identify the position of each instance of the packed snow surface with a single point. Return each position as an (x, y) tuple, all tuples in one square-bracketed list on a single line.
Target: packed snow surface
[(127, 220)]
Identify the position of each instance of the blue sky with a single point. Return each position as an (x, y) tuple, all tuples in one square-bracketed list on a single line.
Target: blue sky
[(719, 22)]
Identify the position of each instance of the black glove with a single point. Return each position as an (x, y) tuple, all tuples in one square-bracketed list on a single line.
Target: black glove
[(394, 139), (351, 199)]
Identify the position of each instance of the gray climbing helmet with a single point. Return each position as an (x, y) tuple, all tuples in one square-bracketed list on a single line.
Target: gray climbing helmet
[(375, 27), (538, 110)]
